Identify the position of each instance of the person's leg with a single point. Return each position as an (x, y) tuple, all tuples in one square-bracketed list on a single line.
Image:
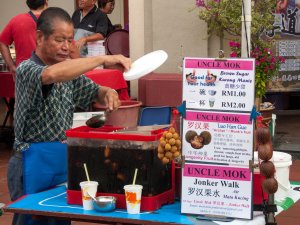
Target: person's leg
[(15, 184)]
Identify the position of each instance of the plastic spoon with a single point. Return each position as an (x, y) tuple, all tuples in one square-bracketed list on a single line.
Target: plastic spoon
[(97, 121)]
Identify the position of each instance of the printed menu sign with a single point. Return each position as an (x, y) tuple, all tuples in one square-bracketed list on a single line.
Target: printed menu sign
[(288, 78), (217, 190), (217, 137), (218, 84), (285, 34)]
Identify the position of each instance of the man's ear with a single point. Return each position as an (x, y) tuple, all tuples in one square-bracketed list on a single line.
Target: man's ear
[(39, 37)]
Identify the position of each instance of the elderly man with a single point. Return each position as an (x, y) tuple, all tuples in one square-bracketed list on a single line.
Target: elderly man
[(49, 86)]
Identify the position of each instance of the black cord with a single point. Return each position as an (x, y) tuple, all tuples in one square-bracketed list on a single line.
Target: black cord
[(248, 53)]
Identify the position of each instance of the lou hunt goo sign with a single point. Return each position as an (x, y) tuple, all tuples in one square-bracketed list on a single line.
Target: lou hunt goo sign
[(230, 134)]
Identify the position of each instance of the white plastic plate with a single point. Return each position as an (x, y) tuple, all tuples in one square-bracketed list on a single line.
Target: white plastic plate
[(145, 64)]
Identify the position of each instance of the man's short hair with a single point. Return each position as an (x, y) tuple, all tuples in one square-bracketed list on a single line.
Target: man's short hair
[(35, 4), (48, 16)]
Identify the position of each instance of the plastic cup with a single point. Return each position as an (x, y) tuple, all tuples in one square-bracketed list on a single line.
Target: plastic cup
[(133, 194), (211, 102), (91, 188), (212, 92)]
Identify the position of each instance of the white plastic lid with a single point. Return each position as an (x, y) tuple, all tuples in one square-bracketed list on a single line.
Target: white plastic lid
[(280, 159)]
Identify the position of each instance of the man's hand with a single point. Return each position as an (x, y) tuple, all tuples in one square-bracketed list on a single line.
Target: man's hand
[(110, 98), (74, 51), (117, 60), (81, 42)]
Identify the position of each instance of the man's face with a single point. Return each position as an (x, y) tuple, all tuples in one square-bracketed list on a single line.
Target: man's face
[(86, 4), (56, 47)]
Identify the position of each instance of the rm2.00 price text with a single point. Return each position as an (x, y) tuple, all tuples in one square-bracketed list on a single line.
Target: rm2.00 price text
[(233, 105)]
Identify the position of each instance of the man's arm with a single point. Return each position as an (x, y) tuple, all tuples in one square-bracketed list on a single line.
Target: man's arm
[(4, 49), (84, 40), (94, 37), (70, 69)]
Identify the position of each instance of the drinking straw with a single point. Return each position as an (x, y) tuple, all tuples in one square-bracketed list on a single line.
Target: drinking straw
[(135, 172), (86, 172)]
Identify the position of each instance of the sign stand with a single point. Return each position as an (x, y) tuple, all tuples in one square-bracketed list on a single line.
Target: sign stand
[(217, 138)]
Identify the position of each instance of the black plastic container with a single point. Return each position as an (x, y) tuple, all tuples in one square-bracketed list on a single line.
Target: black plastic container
[(112, 158)]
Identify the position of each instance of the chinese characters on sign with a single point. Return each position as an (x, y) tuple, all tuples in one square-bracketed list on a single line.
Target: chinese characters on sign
[(218, 84), (285, 32), (288, 78), (217, 137), (217, 190), (230, 136)]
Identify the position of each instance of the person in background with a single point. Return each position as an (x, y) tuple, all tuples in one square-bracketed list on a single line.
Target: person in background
[(108, 6), (49, 86), (21, 31), (90, 23)]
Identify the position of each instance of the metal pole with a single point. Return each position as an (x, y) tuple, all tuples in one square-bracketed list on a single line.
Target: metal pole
[(246, 29)]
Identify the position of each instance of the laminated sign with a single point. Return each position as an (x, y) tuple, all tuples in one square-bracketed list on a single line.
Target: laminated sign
[(217, 190), (217, 137), (215, 84)]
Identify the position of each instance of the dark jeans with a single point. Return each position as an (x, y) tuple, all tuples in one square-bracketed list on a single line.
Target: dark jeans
[(15, 186)]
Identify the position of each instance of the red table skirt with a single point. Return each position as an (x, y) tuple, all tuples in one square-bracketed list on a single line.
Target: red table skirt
[(110, 78), (7, 85)]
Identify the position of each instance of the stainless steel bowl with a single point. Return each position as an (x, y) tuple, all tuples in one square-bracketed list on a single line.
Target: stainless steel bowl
[(105, 203)]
